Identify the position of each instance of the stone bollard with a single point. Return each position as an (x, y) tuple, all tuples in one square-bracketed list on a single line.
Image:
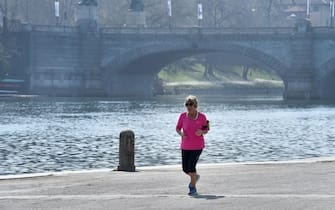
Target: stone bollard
[(127, 151)]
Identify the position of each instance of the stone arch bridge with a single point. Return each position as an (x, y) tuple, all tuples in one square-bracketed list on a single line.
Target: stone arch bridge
[(123, 62)]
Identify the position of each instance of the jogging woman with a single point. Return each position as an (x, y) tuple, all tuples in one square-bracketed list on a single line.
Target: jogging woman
[(191, 126)]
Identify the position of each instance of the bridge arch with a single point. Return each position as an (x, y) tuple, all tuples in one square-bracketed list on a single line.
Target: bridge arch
[(145, 61)]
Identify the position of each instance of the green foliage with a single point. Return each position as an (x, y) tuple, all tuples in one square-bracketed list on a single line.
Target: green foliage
[(262, 74), (180, 72), (191, 69)]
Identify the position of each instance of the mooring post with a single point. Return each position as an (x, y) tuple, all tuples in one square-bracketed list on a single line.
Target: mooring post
[(127, 151)]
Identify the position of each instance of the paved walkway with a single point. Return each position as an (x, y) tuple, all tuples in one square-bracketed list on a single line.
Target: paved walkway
[(286, 185)]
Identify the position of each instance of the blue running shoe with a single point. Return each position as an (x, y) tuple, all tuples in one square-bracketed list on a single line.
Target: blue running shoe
[(193, 191)]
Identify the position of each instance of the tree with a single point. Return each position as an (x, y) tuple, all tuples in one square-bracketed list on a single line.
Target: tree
[(67, 9), (209, 69), (273, 11), (225, 13), (112, 13), (156, 14), (184, 13), (245, 72)]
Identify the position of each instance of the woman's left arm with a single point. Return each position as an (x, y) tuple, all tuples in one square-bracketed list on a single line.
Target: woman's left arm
[(204, 129)]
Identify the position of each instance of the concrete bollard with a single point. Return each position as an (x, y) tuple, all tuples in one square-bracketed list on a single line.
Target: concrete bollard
[(127, 151)]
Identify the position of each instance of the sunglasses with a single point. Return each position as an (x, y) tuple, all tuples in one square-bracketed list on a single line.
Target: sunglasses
[(189, 104)]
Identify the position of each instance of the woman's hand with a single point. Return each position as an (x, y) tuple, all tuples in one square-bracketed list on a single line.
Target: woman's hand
[(199, 132), (181, 134)]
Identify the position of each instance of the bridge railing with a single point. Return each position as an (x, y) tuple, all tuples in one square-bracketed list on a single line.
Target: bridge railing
[(207, 31), (283, 30), (17, 27), (176, 31), (146, 31)]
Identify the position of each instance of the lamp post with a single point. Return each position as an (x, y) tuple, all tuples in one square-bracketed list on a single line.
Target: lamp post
[(200, 13), (308, 9), (57, 11), (332, 12), (170, 11)]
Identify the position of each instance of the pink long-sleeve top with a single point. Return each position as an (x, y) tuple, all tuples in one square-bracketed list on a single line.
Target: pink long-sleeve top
[(189, 127)]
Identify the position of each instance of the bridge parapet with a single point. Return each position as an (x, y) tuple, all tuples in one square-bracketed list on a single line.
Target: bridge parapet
[(45, 28), (19, 27), (323, 30), (176, 31), (204, 31)]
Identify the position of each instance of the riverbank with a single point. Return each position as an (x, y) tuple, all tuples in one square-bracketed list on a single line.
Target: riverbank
[(306, 184)]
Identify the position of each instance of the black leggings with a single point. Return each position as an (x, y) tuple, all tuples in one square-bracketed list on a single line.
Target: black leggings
[(190, 159)]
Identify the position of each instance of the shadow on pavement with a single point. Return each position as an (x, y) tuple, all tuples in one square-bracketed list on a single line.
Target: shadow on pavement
[(209, 197)]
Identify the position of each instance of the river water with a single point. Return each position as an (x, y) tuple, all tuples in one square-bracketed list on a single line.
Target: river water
[(56, 134)]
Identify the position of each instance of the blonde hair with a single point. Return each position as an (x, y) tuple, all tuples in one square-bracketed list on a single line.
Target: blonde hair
[(192, 98)]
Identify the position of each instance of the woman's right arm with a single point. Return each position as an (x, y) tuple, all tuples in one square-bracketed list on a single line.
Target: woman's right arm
[(180, 126)]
